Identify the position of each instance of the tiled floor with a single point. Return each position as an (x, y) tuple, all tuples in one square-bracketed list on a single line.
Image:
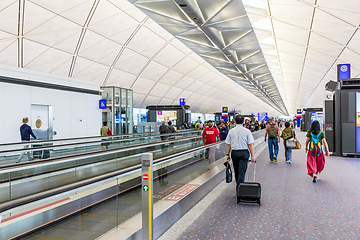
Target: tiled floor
[(293, 207)]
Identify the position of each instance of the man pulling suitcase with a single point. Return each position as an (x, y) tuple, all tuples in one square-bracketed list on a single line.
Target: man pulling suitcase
[(240, 141)]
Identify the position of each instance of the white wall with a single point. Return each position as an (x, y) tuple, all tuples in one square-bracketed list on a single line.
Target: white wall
[(68, 107)]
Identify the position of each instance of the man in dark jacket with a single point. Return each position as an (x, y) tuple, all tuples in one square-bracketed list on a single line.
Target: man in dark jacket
[(170, 128), (162, 130), (25, 132)]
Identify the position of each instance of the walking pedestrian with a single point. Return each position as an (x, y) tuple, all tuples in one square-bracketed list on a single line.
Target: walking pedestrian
[(287, 134), (210, 135), (273, 133), (170, 128), (25, 132), (232, 124), (262, 125), (240, 141), (223, 132), (104, 131), (162, 130), (315, 156)]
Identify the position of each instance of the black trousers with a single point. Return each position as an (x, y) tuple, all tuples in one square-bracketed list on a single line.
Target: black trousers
[(240, 160)]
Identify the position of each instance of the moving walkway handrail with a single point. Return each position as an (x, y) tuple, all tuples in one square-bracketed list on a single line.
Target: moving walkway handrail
[(38, 196), (81, 143), (24, 165), (91, 137)]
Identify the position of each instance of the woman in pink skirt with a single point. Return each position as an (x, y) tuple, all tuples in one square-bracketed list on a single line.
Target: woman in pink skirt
[(315, 156)]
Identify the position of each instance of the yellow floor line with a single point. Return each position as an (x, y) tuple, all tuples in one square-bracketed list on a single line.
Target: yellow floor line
[(99, 215), (42, 236)]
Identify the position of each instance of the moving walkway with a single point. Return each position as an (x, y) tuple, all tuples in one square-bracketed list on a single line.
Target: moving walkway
[(10, 152), (88, 208)]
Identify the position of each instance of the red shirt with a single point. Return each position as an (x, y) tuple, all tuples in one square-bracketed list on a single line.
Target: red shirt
[(210, 134)]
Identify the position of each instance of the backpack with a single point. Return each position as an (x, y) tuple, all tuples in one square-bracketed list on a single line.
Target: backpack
[(272, 132), (287, 134), (315, 145)]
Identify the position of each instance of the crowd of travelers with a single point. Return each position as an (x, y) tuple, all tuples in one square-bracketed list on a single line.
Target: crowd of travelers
[(236, 135)]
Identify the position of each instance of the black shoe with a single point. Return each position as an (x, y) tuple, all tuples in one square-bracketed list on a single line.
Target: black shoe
[(314, 178)]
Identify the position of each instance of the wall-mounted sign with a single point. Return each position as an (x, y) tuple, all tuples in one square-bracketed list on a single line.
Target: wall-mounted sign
[(343, 71), (102, 103), (117, 119), (182, 101), (233, 110), (159, 112)]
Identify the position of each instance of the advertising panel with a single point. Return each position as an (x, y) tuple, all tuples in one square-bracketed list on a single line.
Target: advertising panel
[(358, 122), (166, 116)]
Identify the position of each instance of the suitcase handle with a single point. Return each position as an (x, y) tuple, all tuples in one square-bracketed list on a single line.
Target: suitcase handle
[(247, 174)]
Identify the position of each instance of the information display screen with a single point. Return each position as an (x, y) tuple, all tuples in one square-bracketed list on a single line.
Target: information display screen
[(358, 122), (166, 116)]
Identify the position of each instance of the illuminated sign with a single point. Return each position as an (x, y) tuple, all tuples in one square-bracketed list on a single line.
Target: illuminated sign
[(182, 101), (225, 113), (102, 103), (343, 71), (358, 122), (262, 116), (298, 112)]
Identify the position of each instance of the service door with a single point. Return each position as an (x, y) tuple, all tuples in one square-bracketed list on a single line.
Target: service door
[(41, 121)]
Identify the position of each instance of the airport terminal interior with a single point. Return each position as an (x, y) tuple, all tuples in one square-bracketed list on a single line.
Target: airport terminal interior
[(179, 119)]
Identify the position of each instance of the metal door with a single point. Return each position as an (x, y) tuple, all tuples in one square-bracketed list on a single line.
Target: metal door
[(41, 121)]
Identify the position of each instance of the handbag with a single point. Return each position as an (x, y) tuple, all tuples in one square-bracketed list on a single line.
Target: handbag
[(290, 143), (228, 172), (297, 144), (109, 132)]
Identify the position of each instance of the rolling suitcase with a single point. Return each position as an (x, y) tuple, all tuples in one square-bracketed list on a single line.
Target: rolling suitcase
[(41, 154), (249, 192)]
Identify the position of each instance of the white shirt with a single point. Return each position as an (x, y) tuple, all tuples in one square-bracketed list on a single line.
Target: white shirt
[(239, 138)]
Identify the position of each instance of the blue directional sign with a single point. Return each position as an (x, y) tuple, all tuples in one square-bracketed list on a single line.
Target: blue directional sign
[(102, 103), (262, 116), (343, 71), (182, 101), (233, 110)]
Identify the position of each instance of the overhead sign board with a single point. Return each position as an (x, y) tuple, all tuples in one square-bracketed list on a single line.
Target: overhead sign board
[(263, 116), (298, 112), (343, 71), (225, 113), (182, 101)]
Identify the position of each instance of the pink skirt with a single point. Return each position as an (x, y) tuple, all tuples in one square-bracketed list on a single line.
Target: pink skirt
[(315, 164)]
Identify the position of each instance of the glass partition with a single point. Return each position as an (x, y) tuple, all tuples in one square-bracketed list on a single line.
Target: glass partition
[(118, 112)]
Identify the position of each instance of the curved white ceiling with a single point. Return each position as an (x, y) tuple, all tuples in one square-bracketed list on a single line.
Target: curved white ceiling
[(113, 43), (221, 33), (311, 38)]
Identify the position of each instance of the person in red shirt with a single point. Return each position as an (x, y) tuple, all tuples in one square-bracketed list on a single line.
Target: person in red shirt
[(210, 135)]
